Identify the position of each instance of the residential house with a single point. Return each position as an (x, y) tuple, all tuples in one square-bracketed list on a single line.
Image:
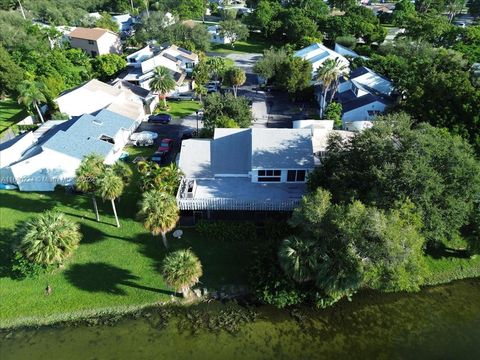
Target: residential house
[(56, 155), (251, 169), (141, 65), (95, 41), (316, 54), (364, 95), (216, 36), (94, 95)]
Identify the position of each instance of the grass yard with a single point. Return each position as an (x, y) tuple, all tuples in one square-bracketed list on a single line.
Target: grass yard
[(113, 270), (180, 109), (254, 44), (10, 113)]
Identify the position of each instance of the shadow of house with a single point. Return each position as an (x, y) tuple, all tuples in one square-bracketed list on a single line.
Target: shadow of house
[(105, 278)]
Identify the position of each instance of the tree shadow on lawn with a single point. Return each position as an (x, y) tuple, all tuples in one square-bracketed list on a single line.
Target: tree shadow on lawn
[(102, 277), (7, 243), (92, 235), (221, 262), (11, 200)]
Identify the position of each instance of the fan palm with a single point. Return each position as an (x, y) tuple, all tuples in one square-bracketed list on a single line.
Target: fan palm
[(328, 75), (298, 258), (159, 213), (181, 270), (49, 238), (90, 170), (110, 187), (164, 178), (162, 82), (124, 171), (31, 95)]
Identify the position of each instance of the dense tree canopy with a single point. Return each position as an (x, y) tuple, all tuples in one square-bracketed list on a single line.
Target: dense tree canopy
[(391, 162)]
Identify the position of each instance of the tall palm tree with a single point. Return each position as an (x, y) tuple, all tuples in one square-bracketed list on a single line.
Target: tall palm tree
[(31, 95), (49, 238), (328, 75), (159, 213), (298, 258), (124, 171), (162, 82), (165, 178), (90, 170), (110, 187), (181, 270)]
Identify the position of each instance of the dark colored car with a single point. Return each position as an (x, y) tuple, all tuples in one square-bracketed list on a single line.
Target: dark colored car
[(160, 118), (159, 158), (188, 134)]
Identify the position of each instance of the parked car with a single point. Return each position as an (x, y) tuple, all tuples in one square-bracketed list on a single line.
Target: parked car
[(166, 145), (212, 86), (183, 97), (159, 158), (188, 134), (160, 118)]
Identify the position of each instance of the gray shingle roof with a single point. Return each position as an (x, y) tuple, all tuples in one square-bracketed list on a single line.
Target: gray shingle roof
[(282, 149), (231, 151), (83, 136)]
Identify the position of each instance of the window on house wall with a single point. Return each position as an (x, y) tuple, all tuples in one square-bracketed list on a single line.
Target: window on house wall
[(91, 42), (296, 175), (94, 53), (269, 175), (373, 112)]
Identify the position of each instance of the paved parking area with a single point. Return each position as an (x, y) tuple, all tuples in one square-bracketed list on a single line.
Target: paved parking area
[(170, 131)]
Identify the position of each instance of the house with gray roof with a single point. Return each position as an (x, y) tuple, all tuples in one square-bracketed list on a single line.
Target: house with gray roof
[(252, 169), (56, 155), (364, 95)]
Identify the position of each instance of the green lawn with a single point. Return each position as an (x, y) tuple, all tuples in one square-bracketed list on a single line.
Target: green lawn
[(180, 109), (10, 113), (254, 44), (113, 270)]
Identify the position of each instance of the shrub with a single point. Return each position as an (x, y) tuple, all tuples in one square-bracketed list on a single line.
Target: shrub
[(228, 231), (23, 268), (347, 41)]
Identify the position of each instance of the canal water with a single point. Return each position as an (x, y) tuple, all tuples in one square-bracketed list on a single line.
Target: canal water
[(441, 322)]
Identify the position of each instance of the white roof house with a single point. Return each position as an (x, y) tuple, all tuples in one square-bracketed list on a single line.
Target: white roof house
[(142, 63), (316, 54), (363, 96), (246, 169), (54, 159), (216, 37), (95, 95)]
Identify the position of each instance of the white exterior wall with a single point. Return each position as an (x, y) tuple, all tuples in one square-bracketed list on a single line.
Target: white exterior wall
[(44, 171), (361, 113), (109, 44), (14, 152), (283, 176)]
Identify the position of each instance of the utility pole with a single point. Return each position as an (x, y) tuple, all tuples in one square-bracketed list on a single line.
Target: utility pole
[(21, 9)]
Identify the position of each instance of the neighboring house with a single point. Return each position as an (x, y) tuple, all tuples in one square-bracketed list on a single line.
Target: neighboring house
[(95, 41), (125, 22), (95, 95), (245, 169), (56, 155), (364, 95), (141, 65), (345, 51), (316, 54), (216, 36)]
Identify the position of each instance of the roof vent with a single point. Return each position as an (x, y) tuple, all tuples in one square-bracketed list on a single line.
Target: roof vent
[(97, 122)]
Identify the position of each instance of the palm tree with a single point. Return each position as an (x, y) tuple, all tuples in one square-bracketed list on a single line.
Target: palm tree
[(31, 94), (110, 187), (164, 178), (159, 213), (181, 270), (90, 170), (162, 82), (328, 75), (49, 238), (298, 258), (121, 169)]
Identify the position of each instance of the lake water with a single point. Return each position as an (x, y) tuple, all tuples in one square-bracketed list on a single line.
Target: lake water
[(440, 322)]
